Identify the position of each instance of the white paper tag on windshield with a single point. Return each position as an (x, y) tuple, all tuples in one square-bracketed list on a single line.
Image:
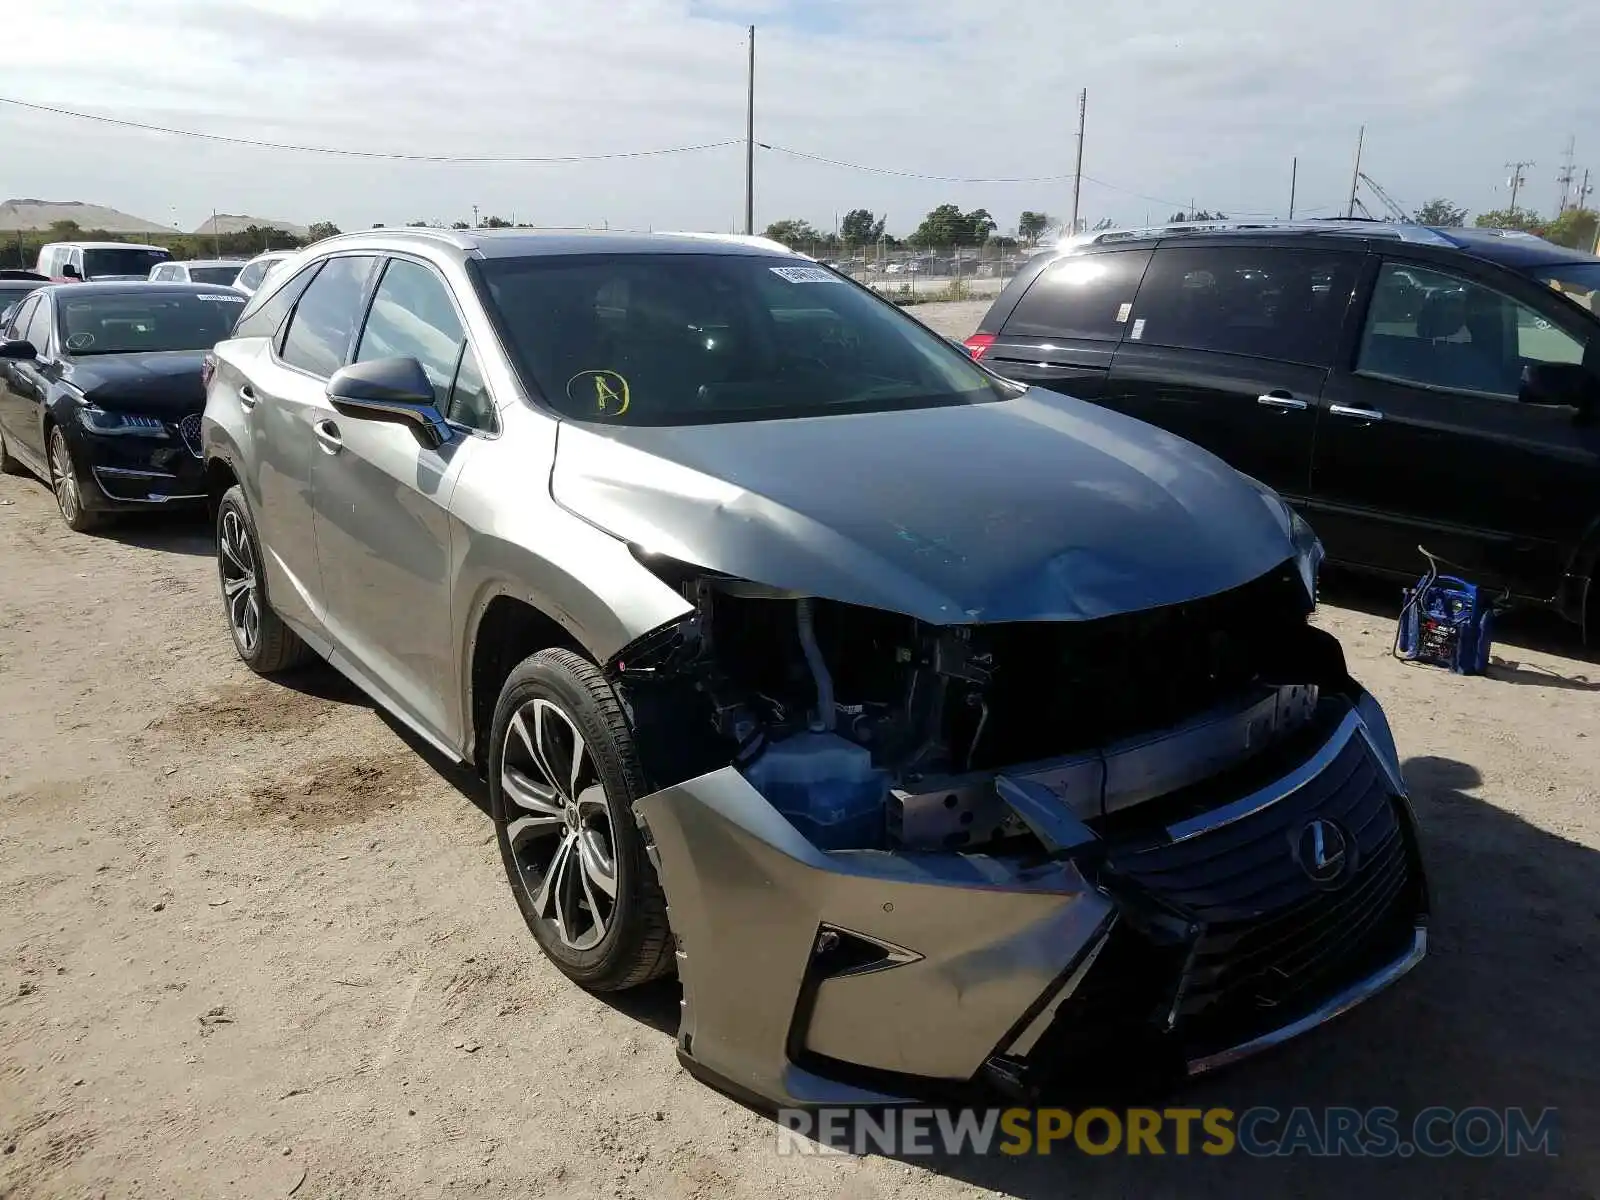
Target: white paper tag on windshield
[(1122, 312), (219, 296), (1138, 329), (805, 274)]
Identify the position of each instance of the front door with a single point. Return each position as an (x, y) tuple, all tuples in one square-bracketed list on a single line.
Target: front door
[(15, 407), (382, 512), (1229, 346), (1425, 442)]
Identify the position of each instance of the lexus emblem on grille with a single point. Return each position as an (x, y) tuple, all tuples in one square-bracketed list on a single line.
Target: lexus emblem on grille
[(1324, 852)]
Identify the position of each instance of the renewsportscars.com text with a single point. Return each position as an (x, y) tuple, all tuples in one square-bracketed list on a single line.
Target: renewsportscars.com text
[(1259, 1132)]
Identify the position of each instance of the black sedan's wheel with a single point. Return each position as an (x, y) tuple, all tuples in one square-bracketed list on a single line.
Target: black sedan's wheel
[(265, 644), (8, 465), (64, 482), (563, 780)]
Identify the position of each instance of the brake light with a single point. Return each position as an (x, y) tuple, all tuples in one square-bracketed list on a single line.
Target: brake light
[(978, 344), (208, 368)]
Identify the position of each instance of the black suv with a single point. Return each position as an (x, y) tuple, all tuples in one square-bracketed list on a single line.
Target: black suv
[(1400, 385)]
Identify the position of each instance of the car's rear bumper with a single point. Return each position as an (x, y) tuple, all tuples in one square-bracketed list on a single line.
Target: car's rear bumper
[(864, 977)]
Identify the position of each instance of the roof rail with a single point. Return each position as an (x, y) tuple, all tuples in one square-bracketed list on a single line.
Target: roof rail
[(739, 239), (1349, 227)]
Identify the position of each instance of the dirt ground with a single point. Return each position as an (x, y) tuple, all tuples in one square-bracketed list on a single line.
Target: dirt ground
[(254, 943)]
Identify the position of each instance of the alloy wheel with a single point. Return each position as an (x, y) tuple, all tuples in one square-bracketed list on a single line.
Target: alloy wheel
[(558, 824), (63, 479), (236, 562)]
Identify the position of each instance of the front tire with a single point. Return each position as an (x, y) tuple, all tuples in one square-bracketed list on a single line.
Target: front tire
[(563, 779), (263, 642), (64, 483)]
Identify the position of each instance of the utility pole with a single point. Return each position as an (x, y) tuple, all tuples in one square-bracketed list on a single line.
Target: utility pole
[(1567, 175), (750, 141), (474, 216), (216, 236), (1583, 191), (1516, 181), (1294, 175), (1355, 175), (1077, 171)]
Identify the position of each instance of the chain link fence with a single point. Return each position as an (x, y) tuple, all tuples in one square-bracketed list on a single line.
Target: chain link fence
[(919, 274)]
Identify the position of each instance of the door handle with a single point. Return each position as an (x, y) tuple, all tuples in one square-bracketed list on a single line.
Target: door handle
[(1359, 414), (247, 397), (328, 434), (1280, 399)]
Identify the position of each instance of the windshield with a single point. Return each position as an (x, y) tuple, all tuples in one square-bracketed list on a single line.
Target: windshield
[(677, 339), (127, 323), (133, 261), (222, 275), (1578, 282)]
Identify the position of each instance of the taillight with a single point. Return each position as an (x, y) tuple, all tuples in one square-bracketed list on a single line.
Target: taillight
[(208, 368), (978, 344)]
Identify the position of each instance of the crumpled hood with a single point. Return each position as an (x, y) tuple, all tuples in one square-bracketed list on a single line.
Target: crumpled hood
[(1032, 509), (165, 384)]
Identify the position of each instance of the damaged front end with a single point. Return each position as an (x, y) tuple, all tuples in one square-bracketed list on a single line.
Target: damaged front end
[(903, 859)]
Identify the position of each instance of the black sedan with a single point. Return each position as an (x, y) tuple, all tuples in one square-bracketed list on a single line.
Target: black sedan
[(101, 392)]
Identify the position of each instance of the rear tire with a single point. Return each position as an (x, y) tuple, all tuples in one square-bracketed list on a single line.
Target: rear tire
[(563, 777), (263, 642)]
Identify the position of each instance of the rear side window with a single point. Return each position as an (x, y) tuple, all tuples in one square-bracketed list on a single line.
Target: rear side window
[(1084, 296), (38, 328), (19, 320), (265, 319), (326, 318), (252, 274), (1265, 303)]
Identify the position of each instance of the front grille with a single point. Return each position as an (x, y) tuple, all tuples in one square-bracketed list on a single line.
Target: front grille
[(189, 430), (1265, 944)]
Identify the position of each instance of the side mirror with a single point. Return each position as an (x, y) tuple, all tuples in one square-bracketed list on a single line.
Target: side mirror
[(396, 390), (18, 351), (1569, 385), (69, 271)]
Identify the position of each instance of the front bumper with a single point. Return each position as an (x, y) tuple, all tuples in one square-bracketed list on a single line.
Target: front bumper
[(1186, 936), (120, 473)]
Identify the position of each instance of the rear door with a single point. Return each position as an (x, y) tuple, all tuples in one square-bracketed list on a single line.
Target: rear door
[(1065, 326), (1228, 346), (284, 399), (1425, 440)]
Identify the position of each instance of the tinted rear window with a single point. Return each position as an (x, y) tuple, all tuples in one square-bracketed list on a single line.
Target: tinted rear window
[(123, 260), (1266, 303), (1081, 296), (677, 339), (222, 275)]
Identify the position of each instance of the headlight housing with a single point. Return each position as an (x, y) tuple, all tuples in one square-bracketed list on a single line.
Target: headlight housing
[(99, 420)]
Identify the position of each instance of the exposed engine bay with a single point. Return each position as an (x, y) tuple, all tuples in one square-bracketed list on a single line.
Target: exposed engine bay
[(872, 730)]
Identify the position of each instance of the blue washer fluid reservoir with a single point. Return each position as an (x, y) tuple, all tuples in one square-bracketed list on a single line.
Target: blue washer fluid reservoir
[(827, 787)]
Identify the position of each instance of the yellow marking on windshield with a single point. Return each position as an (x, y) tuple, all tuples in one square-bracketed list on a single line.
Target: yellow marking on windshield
[(607, 390)]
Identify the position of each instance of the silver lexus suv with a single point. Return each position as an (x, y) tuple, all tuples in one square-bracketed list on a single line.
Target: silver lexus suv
[(938, 732)]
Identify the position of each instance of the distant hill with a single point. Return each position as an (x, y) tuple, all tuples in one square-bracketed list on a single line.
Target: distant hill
[(231, 223), (41, 214)]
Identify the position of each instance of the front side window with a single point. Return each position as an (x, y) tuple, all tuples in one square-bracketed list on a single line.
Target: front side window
[(412, 317), (1081, 296), (470, 403), (1262, 302), (133, 262), (325, 320), (37, 329), (16, 328), (1439, 330), (145, 322), (673, 339)]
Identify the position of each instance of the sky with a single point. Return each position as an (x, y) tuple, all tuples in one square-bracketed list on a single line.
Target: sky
[(1187, 104)]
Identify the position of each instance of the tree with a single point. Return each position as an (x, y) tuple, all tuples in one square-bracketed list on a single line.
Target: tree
[(416, 224), (1440, 211), (792, 231), (459, 225), (1031, 225), (1202, 215), (322, 229), (947, 225), (1510, 218), (1102, 224), (1575, 228), (496, 223), (860, 227)]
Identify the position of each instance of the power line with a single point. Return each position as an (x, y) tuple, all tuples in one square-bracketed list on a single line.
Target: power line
[(364, 154)]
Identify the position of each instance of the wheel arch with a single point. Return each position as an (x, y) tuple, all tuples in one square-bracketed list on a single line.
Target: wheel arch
[(507, 629)]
